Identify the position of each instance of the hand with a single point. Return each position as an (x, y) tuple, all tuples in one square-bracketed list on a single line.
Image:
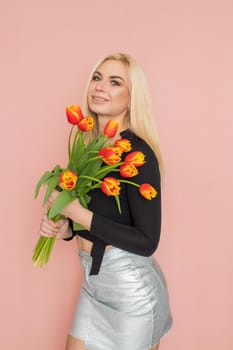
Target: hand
[(74, 210), (50, 228)]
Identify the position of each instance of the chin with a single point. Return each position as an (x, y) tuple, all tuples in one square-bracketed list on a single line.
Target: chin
[(99, 110)]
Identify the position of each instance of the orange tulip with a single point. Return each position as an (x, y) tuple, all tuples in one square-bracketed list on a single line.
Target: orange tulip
[(110, 186), (136, 158), (124, 144), (147, 191), (74, 114), (68, 180), (128, 170), (86, 124), (111, 155), (110, 128)]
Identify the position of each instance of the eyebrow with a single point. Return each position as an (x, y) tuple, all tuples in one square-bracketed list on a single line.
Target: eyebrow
[(111, 76)]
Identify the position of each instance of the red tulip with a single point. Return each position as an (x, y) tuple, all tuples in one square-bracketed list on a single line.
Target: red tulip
[(110, 128), (128, 170), (136, 158), (124, 144), (86, 124), (68, 180), (110, 186), (74, 114), (147, 191), (111, 155)]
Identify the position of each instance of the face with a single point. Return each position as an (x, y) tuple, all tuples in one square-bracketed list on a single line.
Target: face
[(108, 92)]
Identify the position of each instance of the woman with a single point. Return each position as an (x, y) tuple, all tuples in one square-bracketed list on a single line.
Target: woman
[(123, 303)]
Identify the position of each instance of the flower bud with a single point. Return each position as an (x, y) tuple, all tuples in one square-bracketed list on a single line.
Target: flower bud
[(147, 191), (74, 114), (110, 128), (68, 180), (111, 155), (124, 144), (110, 186), (86, 124), (128, 170), (136, 158)]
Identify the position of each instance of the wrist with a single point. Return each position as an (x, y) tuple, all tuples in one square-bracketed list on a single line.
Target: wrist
[(68, 233)]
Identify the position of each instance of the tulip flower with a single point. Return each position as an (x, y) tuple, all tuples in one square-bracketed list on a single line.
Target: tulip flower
[(110, 186), (136, 158), (111, 155), (74, 114), (124, 144), (110, 128), (147, 191), (86, 124), (128, 170), (68, 180)]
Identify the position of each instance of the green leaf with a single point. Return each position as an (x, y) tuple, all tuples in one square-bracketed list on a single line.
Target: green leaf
[(52, 183), (42, 181), (77, 152), (92, 168), (57, 170), (118, 203), (80, 163), (64, 198), (97, 143)]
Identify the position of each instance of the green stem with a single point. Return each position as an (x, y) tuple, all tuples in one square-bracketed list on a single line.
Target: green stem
[(91, 159), (90, 178), (93, 152), (110, 167), (130, 182), (77, 135), (69, 141), (44, 247)]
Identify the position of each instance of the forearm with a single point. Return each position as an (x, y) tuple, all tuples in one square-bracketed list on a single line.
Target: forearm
[(81, 215)]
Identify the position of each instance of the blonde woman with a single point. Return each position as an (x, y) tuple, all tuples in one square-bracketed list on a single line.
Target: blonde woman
[(124, 303)]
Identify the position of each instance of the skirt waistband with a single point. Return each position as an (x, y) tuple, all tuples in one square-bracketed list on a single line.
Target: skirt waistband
[(115, 255)]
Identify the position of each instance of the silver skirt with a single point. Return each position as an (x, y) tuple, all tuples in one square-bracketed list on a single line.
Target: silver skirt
[(125, 306)]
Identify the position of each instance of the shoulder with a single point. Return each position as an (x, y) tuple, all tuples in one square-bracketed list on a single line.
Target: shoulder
[(140, 145)]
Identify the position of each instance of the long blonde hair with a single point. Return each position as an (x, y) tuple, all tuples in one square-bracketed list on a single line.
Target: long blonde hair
[(140, 119)]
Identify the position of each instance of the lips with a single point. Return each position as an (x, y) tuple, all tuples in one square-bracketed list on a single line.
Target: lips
[(98, 99)]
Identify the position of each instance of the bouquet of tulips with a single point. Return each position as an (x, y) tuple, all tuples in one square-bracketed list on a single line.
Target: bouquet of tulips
[(89, 163)]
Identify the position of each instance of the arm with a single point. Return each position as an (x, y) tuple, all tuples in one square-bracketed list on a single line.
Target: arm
[(142, 236)]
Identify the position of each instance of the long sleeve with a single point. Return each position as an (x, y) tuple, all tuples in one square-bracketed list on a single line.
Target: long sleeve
[(137, 228), (142, 236)]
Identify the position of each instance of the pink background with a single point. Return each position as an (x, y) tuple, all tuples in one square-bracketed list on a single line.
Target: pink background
[(186, 49)]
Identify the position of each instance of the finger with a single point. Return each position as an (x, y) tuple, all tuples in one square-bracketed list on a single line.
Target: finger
[(49, 221), (47, 230), (53, 196), (49, 227), (62, 222)]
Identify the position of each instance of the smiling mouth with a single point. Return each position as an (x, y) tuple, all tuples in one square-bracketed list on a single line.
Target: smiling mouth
[(99, 99)]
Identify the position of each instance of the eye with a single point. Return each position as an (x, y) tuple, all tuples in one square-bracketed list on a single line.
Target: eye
[(95, 77), (115, 82)]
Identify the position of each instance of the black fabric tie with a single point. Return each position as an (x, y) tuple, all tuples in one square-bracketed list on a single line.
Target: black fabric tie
[(97, 253)]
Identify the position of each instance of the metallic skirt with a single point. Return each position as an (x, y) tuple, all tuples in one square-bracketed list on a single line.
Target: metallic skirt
[(125, 306)]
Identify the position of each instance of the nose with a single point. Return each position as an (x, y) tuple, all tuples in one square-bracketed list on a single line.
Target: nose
[(100, 85)]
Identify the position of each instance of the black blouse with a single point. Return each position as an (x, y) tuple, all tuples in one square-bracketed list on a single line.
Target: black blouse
[(137, 228)]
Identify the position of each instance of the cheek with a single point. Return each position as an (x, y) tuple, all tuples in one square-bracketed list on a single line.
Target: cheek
[(90, 88), (123, 96)]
